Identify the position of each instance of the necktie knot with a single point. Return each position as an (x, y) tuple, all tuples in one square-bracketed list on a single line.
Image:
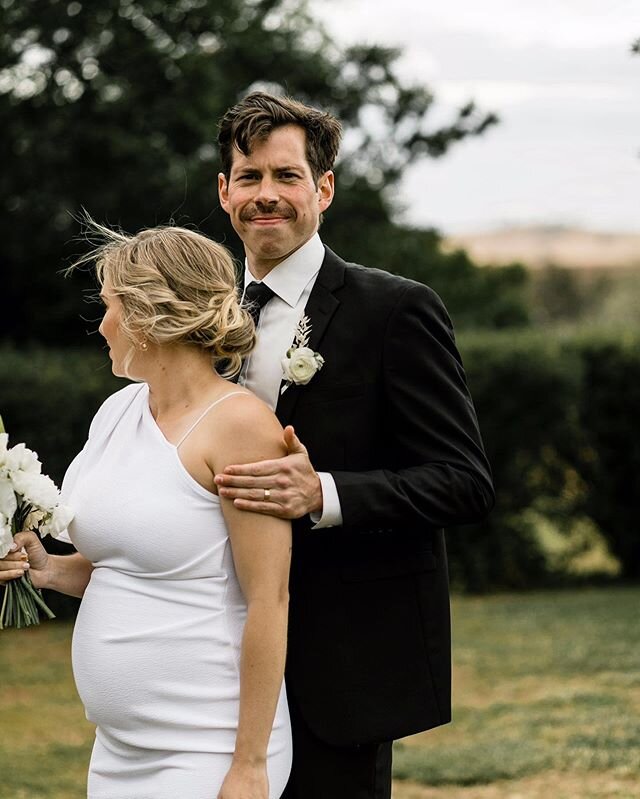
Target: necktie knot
[(256, 296)]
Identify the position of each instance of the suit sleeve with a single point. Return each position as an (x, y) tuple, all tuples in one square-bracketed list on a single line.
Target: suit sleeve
[(437, 473)]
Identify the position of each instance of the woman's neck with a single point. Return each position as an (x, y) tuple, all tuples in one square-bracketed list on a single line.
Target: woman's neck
[(180, 379)]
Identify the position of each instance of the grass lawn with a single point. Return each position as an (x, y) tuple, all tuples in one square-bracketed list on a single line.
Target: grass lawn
[(546, 705)]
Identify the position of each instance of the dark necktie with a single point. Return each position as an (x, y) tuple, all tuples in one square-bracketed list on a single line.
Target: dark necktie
[(256, 296)]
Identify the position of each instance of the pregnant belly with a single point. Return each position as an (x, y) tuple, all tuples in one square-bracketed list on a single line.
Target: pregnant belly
[(158, 659)]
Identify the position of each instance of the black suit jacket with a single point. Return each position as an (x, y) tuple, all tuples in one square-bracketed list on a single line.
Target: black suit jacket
[(390, 417)]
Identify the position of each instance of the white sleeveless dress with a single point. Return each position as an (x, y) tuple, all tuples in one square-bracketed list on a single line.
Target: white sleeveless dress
[(156, 645)]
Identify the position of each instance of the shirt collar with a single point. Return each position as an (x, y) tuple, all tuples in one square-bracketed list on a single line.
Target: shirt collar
[(290, 277)]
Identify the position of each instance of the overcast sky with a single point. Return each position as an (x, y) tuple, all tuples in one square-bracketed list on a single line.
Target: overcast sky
[(561, 77)]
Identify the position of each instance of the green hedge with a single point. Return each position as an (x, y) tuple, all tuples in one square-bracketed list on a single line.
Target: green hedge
[(609, 411), (48, 398), (558, 420), (525, 389), (557, 417)]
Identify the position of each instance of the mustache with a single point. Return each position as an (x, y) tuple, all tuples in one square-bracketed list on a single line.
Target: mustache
[(252, 211)]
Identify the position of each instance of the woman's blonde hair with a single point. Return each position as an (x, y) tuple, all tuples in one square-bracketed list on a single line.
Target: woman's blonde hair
[(175, 286)]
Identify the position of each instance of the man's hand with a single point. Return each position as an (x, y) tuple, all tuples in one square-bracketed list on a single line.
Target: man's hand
[(287, 487)]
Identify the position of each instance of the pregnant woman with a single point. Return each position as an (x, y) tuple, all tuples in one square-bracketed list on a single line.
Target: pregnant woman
[(179, 645)]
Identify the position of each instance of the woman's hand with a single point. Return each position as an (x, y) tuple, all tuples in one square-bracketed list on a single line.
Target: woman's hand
[(245, 781), (17, 563)]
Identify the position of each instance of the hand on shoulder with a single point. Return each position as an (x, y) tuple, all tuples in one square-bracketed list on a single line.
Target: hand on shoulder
[(266, 475)]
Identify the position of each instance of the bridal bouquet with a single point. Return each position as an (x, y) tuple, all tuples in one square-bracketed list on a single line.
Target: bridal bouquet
[(29, 500)]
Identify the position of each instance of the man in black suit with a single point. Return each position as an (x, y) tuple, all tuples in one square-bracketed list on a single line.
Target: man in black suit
[(375, 388)]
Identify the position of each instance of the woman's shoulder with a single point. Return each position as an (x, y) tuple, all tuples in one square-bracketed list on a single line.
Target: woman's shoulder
[(242, 406), (242, 418), (114, 405)]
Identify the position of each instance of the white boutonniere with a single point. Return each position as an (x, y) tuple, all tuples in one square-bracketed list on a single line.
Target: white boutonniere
[(300, 363)]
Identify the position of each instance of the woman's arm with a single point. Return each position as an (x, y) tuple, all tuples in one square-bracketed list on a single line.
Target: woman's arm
[(68, 574), (261, 547)]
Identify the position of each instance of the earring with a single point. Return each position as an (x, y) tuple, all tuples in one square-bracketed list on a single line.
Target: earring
[(144, 345)]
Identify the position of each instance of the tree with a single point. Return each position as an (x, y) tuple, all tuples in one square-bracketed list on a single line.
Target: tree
[(112, 106)]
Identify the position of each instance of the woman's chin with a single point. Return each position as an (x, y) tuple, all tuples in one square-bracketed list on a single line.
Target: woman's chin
[(117, 368)]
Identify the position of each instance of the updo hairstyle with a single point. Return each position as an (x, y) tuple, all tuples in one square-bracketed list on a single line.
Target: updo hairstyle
[(176, 286)]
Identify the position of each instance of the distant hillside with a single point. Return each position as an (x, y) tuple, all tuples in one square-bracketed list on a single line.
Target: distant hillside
[(539, 246)]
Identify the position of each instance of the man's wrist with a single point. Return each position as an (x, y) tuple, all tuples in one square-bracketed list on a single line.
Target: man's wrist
[(330, 514), (318, 501)]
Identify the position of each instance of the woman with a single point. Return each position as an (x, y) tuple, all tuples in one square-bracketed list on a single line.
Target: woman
[(179, 644)]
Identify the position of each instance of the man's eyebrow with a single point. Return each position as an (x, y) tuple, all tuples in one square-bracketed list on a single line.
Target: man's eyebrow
[(284, 168)]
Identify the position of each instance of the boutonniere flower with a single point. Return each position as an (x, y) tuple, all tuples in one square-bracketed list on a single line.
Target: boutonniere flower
[(300, 363)]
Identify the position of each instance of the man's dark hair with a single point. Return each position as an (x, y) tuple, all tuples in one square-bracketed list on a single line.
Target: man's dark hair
[(256, 116)]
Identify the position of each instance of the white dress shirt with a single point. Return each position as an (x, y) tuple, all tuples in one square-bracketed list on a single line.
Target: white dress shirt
[(291, 281)]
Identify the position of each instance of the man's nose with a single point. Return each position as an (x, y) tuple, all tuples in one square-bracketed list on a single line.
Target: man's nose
[(267, 192)]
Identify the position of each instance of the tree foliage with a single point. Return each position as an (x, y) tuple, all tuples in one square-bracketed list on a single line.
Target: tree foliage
[(112, 106)]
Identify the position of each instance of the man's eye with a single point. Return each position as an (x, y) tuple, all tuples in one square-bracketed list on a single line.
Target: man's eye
[(247, 177)]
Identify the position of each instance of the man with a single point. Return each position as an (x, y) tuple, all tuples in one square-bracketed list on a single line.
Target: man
[(385, 453)]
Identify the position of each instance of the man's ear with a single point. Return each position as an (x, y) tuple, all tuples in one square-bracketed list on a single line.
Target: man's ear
[(326, 186), (223, 191)]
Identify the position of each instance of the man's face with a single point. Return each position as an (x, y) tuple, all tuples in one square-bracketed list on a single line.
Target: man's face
[(272, 198)]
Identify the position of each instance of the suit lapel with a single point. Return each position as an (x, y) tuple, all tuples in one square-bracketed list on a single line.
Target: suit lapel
[(320, 308)]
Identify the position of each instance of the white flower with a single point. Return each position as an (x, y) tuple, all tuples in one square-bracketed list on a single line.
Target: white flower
[(58, 522), (301, 364), (6, 538), (36, 489), (8, 499), (33, 519), (19, 458), (4, 440)]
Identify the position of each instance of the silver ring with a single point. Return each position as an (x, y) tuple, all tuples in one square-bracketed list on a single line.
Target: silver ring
[(267, 494)]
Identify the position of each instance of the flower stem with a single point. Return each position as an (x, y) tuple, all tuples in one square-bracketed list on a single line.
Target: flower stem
[(36, 596), (20, 604), (4, 605)]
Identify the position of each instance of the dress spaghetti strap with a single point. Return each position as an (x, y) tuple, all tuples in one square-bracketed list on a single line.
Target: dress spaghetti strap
[(206, 411)]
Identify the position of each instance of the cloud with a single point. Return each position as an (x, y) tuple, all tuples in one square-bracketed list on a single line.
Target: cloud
[(498, 94), (572, 24), (564, 83)]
